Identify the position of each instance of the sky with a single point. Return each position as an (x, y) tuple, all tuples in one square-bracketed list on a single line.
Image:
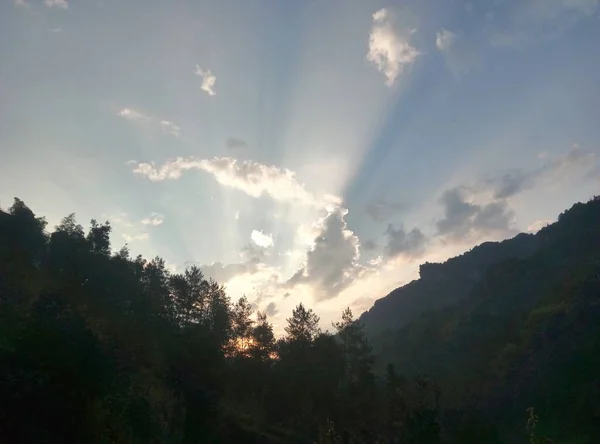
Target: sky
[(311, 151)]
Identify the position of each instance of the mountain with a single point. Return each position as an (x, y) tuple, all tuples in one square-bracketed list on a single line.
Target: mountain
[(507, 326), (443, 284)]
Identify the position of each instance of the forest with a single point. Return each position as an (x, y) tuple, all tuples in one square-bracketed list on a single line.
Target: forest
[(499, 345)]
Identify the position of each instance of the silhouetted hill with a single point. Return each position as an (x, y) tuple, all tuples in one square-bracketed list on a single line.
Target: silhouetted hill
[(508, 325), (443, 284)]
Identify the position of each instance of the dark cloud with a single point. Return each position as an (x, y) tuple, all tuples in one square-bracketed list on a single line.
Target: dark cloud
[(382, 210), (464, 220), (332, 264), (271, 309), (400, 242), (368, 245), (576, 163), (236, 146), (511, 184), (251, 256)]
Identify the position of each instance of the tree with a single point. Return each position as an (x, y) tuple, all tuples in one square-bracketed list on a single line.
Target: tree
[(241, 325), (358, 354), (99, 237), (303, 325), (263, 339)]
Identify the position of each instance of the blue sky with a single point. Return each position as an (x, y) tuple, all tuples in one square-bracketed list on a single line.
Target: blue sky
[(312, 151)]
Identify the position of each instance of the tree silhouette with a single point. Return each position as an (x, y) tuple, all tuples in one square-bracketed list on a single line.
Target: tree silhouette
[(100, 347)]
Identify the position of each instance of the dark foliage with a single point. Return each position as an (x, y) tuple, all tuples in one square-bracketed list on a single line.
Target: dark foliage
[(99, 347)]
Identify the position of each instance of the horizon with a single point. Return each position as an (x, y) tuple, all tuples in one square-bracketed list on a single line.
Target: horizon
[(315, 152)]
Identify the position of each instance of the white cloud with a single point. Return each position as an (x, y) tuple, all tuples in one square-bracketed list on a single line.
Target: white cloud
[(154, 219), (166, 126), (390, 49), (538, 225), (57, 3), (261, 239), (170, 128), (136, 237), (120, 219), (253, 178), (444, 39), (236, 216), (132, 114), (208, 81)]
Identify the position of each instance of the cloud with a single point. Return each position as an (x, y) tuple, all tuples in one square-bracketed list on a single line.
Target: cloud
[(62, 4), (165, 126), (154, 219), (124, 226), (369, 245), (402, 243), (468, 221), (444, 39), (332, 262), (136, 237), (21, 4), (170, 128), (458, 51), (538, 225), (381, 210), (208, 81), (253, 178), (252, 261), (271, 309), (510, 184), (575, 164), (261, 239), (237, 147), (120, 219), (224, 272), (390, 49), (132, 114), (233, 143)]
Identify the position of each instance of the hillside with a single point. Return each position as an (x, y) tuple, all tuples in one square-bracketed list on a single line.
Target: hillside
[(443, 284), (520, 329)]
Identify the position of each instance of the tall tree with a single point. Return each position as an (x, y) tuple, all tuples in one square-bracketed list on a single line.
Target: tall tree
[(303, 325)]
